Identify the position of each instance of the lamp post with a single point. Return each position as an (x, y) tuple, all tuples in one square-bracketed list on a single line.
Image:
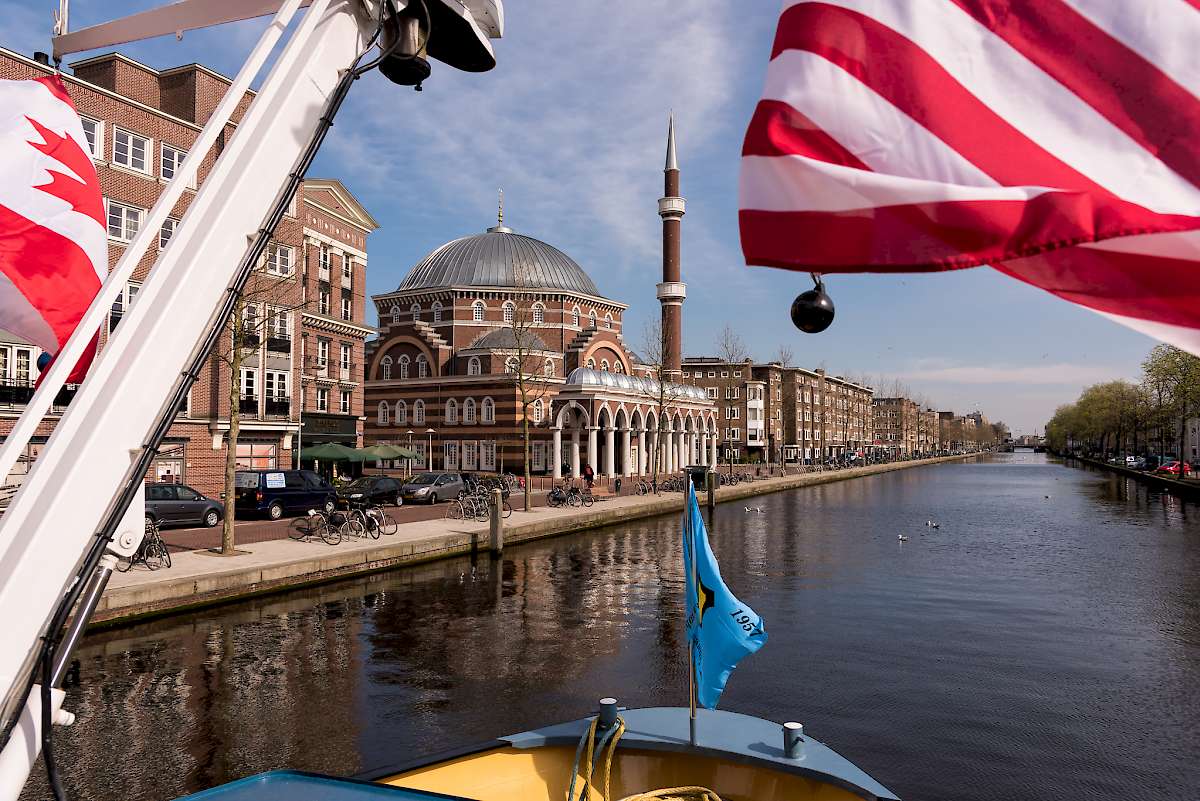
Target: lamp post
[(429, 432), (409, 459)]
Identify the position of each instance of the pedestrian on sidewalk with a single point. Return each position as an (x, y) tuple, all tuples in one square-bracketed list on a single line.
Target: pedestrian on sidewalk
[(589, 475)]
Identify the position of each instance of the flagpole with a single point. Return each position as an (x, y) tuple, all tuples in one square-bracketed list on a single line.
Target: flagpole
[(696, 588)]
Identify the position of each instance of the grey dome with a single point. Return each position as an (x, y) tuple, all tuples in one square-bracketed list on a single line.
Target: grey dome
[(498, 258), (506, 339), (583, 376)]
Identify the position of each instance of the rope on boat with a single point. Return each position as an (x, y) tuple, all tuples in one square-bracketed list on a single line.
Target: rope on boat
[(605, 750)]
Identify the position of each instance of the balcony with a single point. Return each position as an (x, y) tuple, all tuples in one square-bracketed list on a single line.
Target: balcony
[(248, 405), (16, 392), (278, 407), (281, 345), (250, 340)]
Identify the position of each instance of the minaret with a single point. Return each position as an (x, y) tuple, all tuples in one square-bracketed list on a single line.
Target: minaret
[(672, 290)]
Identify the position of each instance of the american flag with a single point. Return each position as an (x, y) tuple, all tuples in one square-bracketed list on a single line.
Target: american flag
[(1056, 140)]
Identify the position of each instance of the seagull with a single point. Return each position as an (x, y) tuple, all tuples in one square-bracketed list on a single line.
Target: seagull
[(902, 538), (1047, 497), (753, 508), (932, 524)]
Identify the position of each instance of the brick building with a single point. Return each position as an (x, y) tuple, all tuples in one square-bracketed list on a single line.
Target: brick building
[(140, 124), (773, 413), (895, 421)]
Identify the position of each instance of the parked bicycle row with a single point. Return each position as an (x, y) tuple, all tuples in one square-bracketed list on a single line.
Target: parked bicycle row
[(346, 521)]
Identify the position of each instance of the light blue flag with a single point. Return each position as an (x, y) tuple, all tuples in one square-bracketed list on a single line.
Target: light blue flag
[(720, 628)]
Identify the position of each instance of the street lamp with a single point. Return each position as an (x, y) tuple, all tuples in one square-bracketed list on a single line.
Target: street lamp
[(409, 459), (429, 432)]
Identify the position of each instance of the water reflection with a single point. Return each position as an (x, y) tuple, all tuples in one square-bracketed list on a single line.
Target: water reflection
[(1030, 647)]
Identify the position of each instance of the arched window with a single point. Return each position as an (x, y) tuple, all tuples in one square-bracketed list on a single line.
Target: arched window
[(511, 365), (473, 366), (419, 412), (487, 411), (539, 314), (592, 318), (618, 367), (469, 412), (385, 368), (383, 415), (591, 364), (477, 311), (415, 310), (395, 314), (403, 367), (539, 410), (401, 413), (608, 321), (575, 316), (437, 311), (451, 412), (604, 365), (548, 367), (510, 311), (422, 366)]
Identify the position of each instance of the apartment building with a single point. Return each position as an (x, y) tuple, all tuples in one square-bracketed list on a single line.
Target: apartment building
[(140, 124), (774, 413), (896, 426)]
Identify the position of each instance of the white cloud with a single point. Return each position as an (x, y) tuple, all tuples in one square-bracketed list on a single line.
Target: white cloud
[(1041, 374)]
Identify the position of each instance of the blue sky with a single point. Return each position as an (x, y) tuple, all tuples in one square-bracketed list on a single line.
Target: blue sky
[(572, 125)]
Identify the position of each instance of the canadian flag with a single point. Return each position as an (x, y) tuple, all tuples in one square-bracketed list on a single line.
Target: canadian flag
[(53, 238)]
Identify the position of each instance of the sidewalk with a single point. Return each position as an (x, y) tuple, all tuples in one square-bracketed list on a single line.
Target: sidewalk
[(198, 578)]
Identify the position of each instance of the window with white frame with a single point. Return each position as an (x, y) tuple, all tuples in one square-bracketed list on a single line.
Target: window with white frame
[(712, 392), (344, 403), (437, 311), (618, 368), (323, 263), (712, 373), (385, 368), (487, 411), (419, 412), (591, 364), (401, 413), (477, 311), (347, 270), (604, 365), (422, 366), (322, 353), (539, 314), (450, 455), (383, 414), (93, 133), (510, 312), (592, 318), (344, 360), (323, 301), (732, 392), (737, 373), (249, 383), (123, 221), (539, 410), (511, 365), (122, 303), (451, 412), (170, 160), (548, 367), (469, 412), (415, 311), (395, 312), (279, 323), (474, 367), (347, 307), (487, 455), (470, 454), (279, 259), (167, 231), (608, 321), (733, 413), (276, 385), (575, 316), (404, 363), (131, 150), (322, 399)]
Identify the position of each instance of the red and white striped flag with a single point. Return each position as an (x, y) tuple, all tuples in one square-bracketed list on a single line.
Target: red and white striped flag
[(1055, 140), (53, 238)]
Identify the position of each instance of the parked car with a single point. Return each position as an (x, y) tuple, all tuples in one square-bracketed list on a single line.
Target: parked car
[(179, 504), (275, 492), (1176, 468), (373, 489), (433, 487), (1130, 461)]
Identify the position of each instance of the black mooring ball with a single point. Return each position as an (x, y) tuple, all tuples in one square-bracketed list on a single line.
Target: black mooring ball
[(812, 311)]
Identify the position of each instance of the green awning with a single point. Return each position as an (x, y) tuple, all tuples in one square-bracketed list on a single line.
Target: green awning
[(384, 450), (333, 452)]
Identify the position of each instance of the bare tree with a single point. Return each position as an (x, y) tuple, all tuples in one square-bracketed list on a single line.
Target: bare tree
[(525, 362), (785, 356), (261, 319), (731, 352), (662, 394)]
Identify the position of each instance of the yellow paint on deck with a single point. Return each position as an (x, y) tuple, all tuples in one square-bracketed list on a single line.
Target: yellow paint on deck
[(543, 774)]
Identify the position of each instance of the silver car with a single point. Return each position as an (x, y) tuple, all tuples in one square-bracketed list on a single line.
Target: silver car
[(433, 487)]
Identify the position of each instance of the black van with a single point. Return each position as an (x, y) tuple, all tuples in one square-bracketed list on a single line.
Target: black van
[(278, 491)]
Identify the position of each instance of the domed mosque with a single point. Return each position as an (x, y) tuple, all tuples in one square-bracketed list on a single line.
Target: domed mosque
[(496, 327)]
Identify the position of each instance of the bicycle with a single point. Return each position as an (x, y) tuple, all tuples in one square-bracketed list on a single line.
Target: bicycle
[(152, 552), (314, 524)]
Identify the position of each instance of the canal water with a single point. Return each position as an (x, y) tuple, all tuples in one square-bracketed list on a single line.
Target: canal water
[(1042, 643)]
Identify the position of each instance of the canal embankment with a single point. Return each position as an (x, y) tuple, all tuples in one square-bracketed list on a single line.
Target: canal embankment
[(202, 578), (1185, 489)]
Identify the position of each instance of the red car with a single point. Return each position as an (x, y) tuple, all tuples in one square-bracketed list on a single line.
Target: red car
[(1173, 468)]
